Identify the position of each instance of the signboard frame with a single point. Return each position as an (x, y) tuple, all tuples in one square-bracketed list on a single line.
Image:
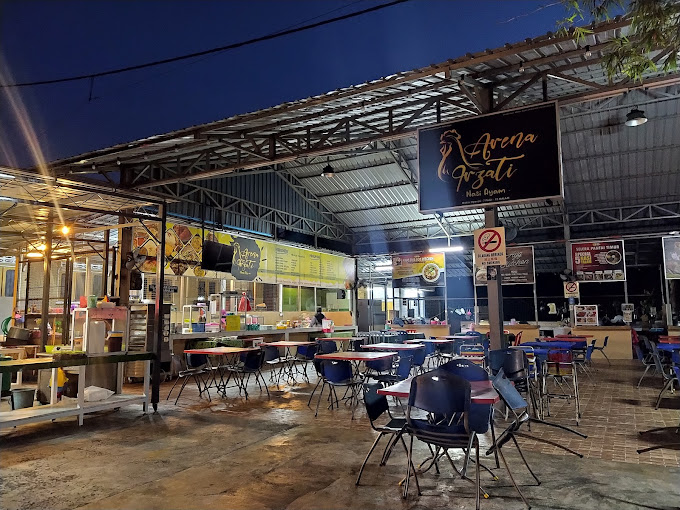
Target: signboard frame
[(586, 309), (572, 294), (663, 251), (507, 251), (600, 241), (481, 205)]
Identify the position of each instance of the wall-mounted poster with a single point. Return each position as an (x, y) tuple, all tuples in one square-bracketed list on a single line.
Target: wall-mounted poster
[(671, 257), (585, 315), (599, 261), (503, 158), (519, 267), (418, 270)]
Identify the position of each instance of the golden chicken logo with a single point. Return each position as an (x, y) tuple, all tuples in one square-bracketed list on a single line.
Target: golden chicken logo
[(485, 161)]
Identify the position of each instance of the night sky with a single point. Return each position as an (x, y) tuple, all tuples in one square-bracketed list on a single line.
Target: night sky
[(52, 39)]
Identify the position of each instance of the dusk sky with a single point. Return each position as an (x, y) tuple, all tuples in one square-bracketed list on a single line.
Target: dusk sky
[(53, 39)]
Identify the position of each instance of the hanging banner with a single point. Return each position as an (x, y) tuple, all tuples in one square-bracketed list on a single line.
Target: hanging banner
[(519, 267), (671, 257), (417, 271), (498, 159), (490, 247), (599, 261)]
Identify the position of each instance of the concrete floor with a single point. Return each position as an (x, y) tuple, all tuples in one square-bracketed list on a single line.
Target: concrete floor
[(274, 454)]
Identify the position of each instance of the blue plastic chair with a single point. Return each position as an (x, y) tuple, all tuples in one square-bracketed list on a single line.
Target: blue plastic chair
[(445, 398), (375, 367), (670, 381), (418, 359), (339, 373), (401, 371), (327, 347), (466, 369), (252, 364), (305, 354)]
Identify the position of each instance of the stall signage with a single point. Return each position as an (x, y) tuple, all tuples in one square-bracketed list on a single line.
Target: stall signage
[(585, 315), (519, 267), (571, 290), (502, 158), (599, 261), (490, 247), (671, 257), (627, 309), (418, 270), (246, 261)]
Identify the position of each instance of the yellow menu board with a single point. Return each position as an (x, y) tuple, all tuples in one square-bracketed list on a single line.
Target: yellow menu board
[(278, 263)]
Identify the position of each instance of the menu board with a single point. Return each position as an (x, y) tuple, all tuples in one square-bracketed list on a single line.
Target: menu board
[(518, 269), (599, 261), (254, 260), (671, 257), (418, 270), (585, 315)]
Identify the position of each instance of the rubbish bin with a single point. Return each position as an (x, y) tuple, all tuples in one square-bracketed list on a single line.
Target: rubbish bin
[(6, 378), (22, 397)]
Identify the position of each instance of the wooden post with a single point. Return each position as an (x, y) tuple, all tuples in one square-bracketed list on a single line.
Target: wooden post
[(47, 266), (158, 311)]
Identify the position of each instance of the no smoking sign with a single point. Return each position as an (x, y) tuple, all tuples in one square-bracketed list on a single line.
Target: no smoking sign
[(571, 290), (490, 247)]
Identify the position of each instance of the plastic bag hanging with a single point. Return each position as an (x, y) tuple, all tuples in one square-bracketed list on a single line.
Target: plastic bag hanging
[(244, 303)]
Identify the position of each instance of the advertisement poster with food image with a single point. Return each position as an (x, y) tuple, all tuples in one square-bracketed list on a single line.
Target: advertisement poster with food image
[(519, 267), (585, 315), (486, 160), (599, 261), (418, 270), (671, 257)]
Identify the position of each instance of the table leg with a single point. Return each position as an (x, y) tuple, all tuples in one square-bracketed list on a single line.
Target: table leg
[(81, 394), (147, 371), (53, 388)]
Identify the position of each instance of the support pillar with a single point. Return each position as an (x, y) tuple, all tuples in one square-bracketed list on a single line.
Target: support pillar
[(495, 290), (158, 311), (47, 266)]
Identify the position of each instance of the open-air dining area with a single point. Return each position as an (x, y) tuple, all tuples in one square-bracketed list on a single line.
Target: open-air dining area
[(277, 259)]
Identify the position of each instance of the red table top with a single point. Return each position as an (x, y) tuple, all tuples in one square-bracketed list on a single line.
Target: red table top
[(221, 350), (356, 356), (669, 339), (482, 392), (289, 343), (393, 347)]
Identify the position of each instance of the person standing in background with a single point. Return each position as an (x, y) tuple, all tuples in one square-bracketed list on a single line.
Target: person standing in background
[(317, 320)]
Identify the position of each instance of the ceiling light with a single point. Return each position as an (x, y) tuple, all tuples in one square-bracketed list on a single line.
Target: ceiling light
[(34, 254), (328, 171), (635, 117), (447, 249), (674, 232), (521, 68), (42, 247), (118, 161), (588, 53), (6, 176), (65, 230), (7, 199)]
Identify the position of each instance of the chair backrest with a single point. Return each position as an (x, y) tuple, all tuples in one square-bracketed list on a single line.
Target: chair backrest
[(404, 367), (439, 392), (253, 360), (418, 356), (196, 360), (326, 347), (559, 362), (271, 352), (257, 341), (376, 405), (307, 351), (466, 369), (495, 360), (379, 365), (318, 366), (515, 364), (508, 392), (337, 371)]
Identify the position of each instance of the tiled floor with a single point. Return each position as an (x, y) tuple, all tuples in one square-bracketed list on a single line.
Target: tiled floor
[(613, 412)]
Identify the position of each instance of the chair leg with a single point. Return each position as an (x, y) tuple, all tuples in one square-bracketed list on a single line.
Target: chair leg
[(641, 378), (521, 454), (319, 400), (493, 438), (184, 383), (512, 479), (477, 480), (375, 443), (415, 473), (173, 387), (663, 390), (408, 469), (548, 441), (259, 374), (314, 390)]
